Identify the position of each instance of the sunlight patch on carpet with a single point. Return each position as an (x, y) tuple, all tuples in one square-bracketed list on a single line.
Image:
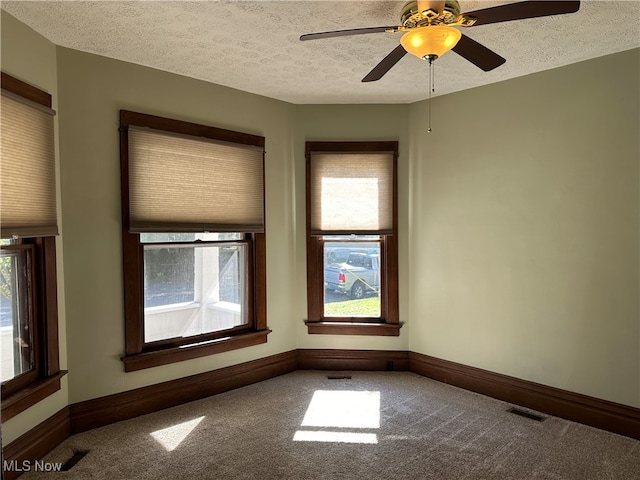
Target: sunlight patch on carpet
[(345, 409), (173, 436)]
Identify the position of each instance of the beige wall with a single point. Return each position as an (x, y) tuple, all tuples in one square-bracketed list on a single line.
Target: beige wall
[(519, 248), (524, 228), (31, 58), (92, 90)]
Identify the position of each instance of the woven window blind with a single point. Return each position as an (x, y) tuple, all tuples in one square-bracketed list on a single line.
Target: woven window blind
[(351, 193), (179, 183), (27, 169)]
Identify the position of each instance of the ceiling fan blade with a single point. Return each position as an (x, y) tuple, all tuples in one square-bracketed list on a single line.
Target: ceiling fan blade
[(478, 54), (522, 10), (343, 33), (385, 64)]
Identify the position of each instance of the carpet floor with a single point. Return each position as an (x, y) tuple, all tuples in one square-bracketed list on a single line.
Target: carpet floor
[(373, 425)]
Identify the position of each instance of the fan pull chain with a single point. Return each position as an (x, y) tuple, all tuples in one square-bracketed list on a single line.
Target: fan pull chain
[(432, 88)]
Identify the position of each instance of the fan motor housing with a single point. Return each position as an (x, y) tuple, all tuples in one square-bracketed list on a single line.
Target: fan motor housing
[(411, 17)]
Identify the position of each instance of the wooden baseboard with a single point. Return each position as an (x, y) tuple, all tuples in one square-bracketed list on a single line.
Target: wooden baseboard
[(353, 360), (35, 444), (122, 406), (610, 416)]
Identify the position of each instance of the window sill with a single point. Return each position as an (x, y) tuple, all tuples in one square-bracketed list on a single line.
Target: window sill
[(29, 396), (354, 328), (144, 360)]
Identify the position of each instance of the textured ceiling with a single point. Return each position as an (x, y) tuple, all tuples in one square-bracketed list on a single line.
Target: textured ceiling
[(254, 46)]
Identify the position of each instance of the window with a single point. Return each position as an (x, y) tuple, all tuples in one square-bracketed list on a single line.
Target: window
[(352, 257), (193, 240), (29, 366), (193, 288), (16, 280)]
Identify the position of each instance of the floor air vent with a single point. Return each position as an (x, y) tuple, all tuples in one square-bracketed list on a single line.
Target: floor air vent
[(339, 377), (523, 413), (77, 456)]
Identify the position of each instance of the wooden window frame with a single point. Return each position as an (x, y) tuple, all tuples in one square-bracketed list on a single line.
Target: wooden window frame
[(388, 324), (140, 355), (43, 380)]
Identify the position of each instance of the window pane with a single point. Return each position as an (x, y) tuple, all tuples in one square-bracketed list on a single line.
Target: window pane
[(352, 278), (192, 290), (168, 275), (15, 329)]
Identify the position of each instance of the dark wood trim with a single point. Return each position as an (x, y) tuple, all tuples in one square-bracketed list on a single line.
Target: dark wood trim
[(49, 299), (166, 356), (315, 282), (178, 344), (31, 394), (37, 442), (376, 360), (27, 397), (392, 304), (128, 118), (610, 416), (133, 268), (259, 283), (352, 147), (132, 260), (18, 87), (122, 406), (354, 328)]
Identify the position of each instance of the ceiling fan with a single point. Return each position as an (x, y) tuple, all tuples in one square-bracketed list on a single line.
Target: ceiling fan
[(430, 31)]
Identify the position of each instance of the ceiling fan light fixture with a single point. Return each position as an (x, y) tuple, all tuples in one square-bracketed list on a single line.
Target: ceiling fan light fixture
[(430, 42)]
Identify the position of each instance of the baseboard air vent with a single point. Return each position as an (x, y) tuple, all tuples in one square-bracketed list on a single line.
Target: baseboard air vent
[(523, 413), (77, 456)]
